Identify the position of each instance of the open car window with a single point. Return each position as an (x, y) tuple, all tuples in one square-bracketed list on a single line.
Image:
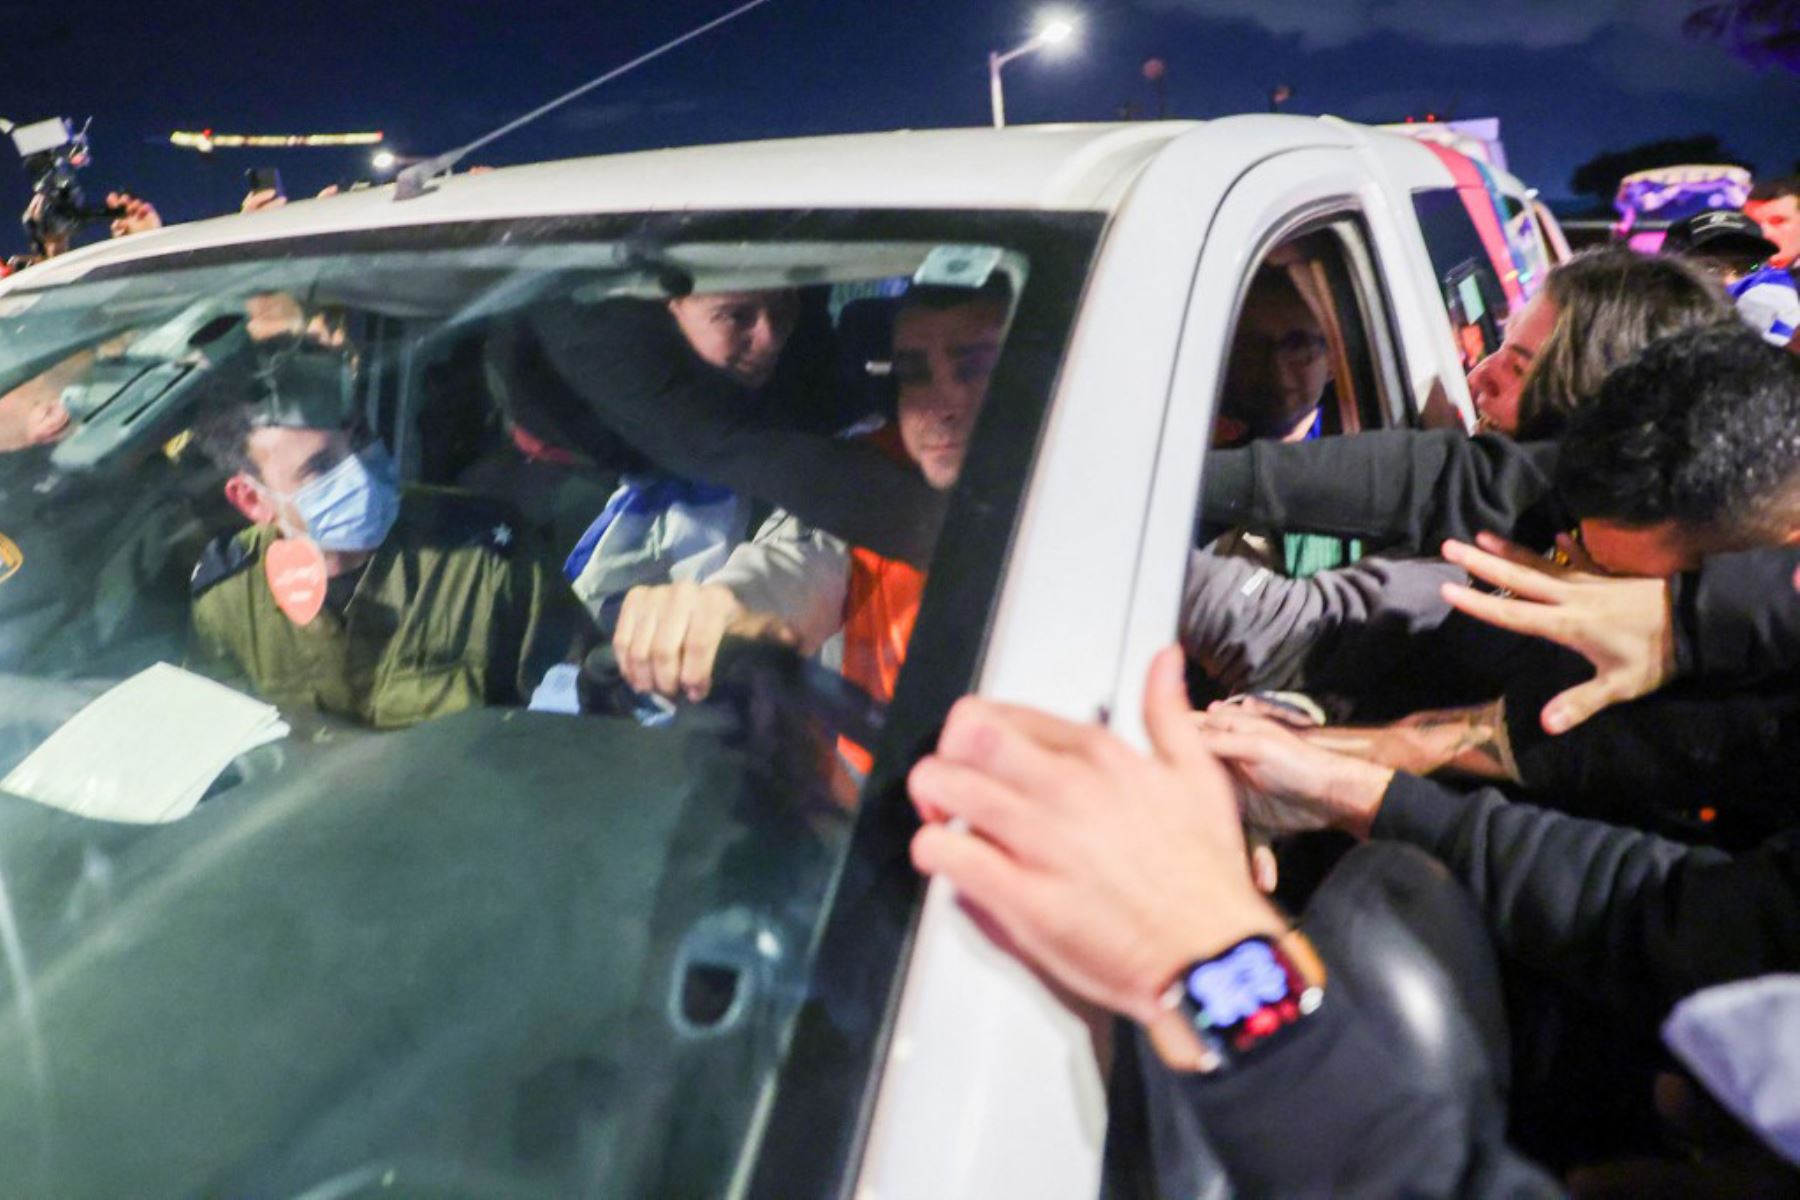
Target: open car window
[(315, 765), (1310, 358)]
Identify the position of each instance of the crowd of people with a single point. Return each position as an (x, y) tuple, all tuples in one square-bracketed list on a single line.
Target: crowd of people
[(1548, 665), (1562, 688)]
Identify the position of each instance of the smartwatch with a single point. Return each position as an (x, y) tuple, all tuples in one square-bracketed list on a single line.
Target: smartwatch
[(1247, 998)]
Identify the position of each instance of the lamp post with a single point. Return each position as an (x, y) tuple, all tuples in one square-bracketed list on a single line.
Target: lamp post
[(1051, 31)]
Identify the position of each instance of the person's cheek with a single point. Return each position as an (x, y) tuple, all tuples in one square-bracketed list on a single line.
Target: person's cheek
[(1643, 553), (1481, 378)]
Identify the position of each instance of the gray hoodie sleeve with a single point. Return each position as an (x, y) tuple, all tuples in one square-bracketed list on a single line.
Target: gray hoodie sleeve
[(1251, 629), (795, 571)]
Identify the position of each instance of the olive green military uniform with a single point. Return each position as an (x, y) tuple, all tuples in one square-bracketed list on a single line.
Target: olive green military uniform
[(450, 613)]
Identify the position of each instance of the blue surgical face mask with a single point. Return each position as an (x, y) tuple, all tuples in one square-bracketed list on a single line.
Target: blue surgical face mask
[(351, 507)]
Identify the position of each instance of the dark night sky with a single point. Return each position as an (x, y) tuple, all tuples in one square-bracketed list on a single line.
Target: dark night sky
[(1568, 78)]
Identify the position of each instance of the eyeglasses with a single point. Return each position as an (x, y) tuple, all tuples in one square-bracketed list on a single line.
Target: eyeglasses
[(1299, 346)]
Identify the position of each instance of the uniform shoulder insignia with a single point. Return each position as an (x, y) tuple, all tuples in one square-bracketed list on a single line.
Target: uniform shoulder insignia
[(458, 518), (224, 556)]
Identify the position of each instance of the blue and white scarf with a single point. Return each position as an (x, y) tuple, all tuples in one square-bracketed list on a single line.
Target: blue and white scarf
[(654, 529)]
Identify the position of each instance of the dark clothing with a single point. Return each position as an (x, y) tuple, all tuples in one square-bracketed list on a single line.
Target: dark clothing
[(1393, 1087), (448, 613), (1327, 1114), (1628, 918), (644, 395), (1407, 491), (557, 500), (1404, 491), (1738, 617), (1697, 761), (94, 568)]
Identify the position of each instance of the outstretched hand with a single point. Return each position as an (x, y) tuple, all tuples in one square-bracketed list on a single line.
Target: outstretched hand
[(1289, 782), (1104, 868), (140, 216), (1625, 627)]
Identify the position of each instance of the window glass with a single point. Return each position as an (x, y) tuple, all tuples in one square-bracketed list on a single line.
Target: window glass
[(1301, 368), (1298, 370), (339, 808), (1472, 293)]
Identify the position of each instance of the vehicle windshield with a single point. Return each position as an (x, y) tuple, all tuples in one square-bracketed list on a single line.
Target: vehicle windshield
[(444, 673)]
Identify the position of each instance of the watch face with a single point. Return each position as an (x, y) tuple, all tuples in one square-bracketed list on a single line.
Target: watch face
[(1233, 987), (1246, 995)]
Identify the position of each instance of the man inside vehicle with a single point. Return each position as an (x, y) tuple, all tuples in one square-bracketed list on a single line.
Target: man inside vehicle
[(946, 343), (1276, 382), (1279, 368), (635, 392), (347, 593), (658, 527)]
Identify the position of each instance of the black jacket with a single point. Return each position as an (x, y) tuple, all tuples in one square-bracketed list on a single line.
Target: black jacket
[(1738, 617), (1393, 1087), (1633, 920), (1404, 491), (1698, 761), (634, 390), (1328, 1114)]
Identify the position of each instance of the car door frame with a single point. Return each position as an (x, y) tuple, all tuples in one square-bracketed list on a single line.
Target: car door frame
[(991, 1085), (1275, 201)]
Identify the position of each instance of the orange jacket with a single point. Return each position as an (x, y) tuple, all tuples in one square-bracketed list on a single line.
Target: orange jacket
[(880, 609)]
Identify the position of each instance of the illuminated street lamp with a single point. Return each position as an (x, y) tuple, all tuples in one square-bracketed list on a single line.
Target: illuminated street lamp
[(384, 160), (1053, 30)]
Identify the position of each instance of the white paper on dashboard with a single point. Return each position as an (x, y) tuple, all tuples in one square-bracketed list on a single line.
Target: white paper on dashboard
[(146, 750)]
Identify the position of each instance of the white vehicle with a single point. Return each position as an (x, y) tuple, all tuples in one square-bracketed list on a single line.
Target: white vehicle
[(510, 953)]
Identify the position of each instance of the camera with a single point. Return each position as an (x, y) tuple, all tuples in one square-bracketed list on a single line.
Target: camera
[(54, 151)]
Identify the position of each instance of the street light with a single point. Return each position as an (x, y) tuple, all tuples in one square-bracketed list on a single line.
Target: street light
[(1053, 30), (384, 160)]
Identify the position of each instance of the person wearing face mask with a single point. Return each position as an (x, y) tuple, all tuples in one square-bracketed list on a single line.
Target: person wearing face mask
[(348, 593)]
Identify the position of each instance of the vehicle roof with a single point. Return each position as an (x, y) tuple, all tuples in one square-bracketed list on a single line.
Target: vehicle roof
[(1043, 167)]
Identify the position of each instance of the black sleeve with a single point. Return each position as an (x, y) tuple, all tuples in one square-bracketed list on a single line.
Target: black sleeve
[(1404, 490), (1694, 761), (1738, 617), (1330, 1113), (643, 385), (1637, 921)]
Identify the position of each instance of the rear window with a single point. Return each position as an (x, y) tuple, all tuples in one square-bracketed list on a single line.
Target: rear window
[(1472, 292)]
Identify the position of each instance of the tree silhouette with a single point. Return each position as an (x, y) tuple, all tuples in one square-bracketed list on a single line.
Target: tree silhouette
[(1761, 32), (1599, 176)]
